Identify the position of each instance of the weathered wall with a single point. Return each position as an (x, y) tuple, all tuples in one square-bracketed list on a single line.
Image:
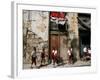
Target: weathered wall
[(73, 34), (35, 33)]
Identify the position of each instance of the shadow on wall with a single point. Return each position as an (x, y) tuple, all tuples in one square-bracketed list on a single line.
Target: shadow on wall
[(75, 47)]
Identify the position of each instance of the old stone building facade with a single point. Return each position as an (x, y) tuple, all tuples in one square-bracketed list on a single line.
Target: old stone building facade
[(41, 32)]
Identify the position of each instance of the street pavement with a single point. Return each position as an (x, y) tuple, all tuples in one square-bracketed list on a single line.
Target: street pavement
[(76, 64)]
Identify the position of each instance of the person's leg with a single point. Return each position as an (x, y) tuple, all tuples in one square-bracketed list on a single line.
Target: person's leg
[(35, 61), (54, 61), (72, 59), (51, 61), (44, 60), (41, 60), (69, 60), (32, 63)]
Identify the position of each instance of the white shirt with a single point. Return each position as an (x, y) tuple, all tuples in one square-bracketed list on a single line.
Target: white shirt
[(69, 53), (84, 49), (55, 52)]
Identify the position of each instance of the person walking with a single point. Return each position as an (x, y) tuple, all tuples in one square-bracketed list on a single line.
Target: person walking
[(33, 57), (43, 56), (54, 56), (70, 56)]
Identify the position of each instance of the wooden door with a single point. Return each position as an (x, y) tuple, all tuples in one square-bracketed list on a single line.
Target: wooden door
[(54, 42)]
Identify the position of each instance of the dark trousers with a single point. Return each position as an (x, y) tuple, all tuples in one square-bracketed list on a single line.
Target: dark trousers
[(34, 60)]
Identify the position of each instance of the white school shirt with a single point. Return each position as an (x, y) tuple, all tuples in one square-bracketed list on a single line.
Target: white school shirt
[(55, 52), (85, 49), (69, 53)]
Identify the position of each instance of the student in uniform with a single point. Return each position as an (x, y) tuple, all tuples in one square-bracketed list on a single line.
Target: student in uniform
[(33, 57), (43, 56)]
